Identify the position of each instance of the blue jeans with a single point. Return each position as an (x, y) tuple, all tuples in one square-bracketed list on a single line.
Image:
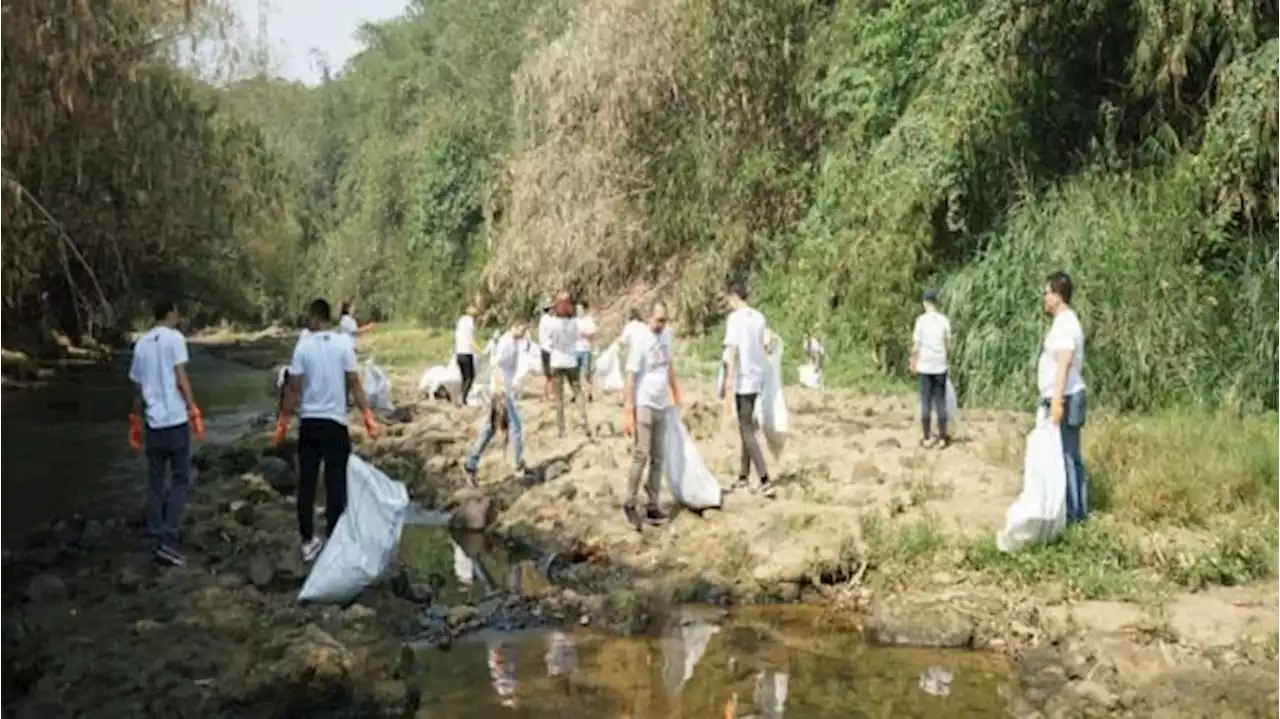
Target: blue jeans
[(1073, 416), (516, 428)]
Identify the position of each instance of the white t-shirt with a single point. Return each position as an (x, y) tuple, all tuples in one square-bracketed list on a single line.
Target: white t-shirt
[(813, 348), (744, 336), (544, 331), (634, 329), (347, 324), (156, 356), (560, 337), (506, 359), (586, 326), (1064, 334), (931, 334), (464, 335), (322, 360), (649, 359)]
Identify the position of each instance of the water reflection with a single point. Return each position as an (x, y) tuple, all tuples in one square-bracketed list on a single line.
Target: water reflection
[(758, 663)]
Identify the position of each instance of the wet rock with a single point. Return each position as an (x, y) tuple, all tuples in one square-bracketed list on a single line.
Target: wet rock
[(309, 662), (407, 585), (474, 514), (47, 587), (919, 625), (278, 473), (400, 415), (262, 570), (461, 614)]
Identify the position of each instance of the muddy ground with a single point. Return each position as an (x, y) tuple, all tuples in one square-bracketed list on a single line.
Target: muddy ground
[(90, 627)]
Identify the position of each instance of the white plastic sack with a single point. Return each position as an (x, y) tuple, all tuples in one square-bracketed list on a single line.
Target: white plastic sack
[(772, 414), (433, 379), (608, 375), (377, 388), (682, 649), (691, 483), (953, 407), (1039, 514), (810, 376), (364, 543)]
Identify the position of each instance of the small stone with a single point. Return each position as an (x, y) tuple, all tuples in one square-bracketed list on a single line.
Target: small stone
[(129, 579), (461, 614), (568, 492), (229, 580), (243, 511), (278, 473), (358, 613), (473, 515), (555, 469), (47, 587), (889, 443), (143, 626), (943, 578), (788, 592), (261, 571)]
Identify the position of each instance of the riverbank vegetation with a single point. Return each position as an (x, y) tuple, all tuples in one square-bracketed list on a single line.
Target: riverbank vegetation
[(842, 155)]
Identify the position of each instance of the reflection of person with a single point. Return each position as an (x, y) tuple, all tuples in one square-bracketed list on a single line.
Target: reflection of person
[(771, 693), (502, 673), (561, 658)]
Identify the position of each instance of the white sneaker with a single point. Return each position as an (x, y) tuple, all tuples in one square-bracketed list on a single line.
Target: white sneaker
[(311, 549)]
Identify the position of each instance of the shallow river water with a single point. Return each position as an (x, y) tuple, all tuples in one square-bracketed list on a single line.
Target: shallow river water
[(765, 662)]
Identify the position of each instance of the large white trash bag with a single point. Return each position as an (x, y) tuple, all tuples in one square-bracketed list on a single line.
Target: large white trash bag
[(953, 407), (364, 543), (771, 413), (433, 379), (377, 388), (810, 376), (608, 376), (691, 483), (1039, 514)]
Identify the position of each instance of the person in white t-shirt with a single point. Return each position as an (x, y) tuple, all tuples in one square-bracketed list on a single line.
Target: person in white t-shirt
[(587, 330), (560, 340), (747, 342), (506, 364), (347, 321), (930, 344), (651, 387), (635, 326), (813, 349), (1060, 383), (163, 397), (321, 374), (464, 348), (545, 321)]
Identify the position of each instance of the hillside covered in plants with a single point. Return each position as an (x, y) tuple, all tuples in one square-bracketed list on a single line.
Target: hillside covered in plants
[(842, 154)]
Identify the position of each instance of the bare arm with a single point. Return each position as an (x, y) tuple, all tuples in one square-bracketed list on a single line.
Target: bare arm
[(184, 386), (356, 389), (292, 393), (674, 383), (1064, 366)]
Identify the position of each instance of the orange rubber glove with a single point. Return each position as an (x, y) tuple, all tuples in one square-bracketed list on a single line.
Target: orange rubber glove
[(135, 432), (628, 421), (197, 421), (282, 430), (677, 396), (371, 425)]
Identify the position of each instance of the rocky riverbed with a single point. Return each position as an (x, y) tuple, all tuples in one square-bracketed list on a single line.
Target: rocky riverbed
[(90, 626)]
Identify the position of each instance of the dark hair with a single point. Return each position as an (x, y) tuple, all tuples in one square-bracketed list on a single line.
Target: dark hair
[(635, 314), (584, 304), (1060, 284), (162, 307), (346, 307), (319, 309), (738, 289)]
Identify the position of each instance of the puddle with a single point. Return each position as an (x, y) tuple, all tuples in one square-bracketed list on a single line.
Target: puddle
[(758, 662), (765, 662), (465, 567)]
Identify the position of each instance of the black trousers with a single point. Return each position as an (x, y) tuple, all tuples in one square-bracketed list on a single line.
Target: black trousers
[(745, 404), (321, 440), (467, 366), (933, 396)]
